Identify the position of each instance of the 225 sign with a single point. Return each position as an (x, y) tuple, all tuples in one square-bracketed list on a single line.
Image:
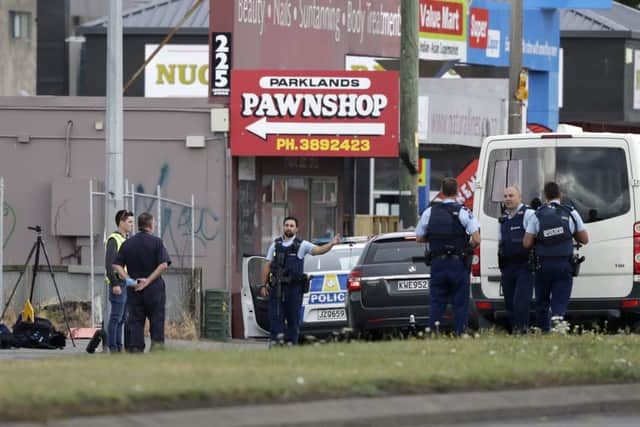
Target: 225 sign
[(221, 64)]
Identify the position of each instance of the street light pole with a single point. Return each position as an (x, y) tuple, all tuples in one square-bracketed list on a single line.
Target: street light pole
[(409, 63), (515, 66), (113, 174)]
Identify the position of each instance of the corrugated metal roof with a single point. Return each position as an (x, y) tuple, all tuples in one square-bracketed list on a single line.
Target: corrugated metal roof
[(94, 9), (167, 13), (161, 14), (619, 19)]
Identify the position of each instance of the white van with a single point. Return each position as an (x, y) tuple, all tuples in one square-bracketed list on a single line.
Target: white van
[(599, 174)]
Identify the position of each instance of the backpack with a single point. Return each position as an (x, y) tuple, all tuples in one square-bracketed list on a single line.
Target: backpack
[(39, 334), (7, 340)]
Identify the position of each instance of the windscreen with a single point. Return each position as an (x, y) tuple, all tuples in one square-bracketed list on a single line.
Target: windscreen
[(594, 180), (342, 259), (393, 251)]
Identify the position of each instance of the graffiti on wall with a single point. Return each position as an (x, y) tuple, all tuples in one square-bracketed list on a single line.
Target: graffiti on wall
[(9, 217), (176, 219)]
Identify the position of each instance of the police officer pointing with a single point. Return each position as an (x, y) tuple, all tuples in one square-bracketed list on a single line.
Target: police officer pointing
[(516, 279), (283, 278), (447, 227), (551, 230)]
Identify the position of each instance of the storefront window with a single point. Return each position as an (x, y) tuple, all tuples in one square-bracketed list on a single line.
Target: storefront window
[(386, 176), (324, 209), (313, 201)]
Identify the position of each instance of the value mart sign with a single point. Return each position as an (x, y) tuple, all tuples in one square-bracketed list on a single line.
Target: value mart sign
[(443, 29), (314, 113)]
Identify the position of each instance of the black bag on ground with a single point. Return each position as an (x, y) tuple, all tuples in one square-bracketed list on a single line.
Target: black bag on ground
[(39, 334), (7, 340)]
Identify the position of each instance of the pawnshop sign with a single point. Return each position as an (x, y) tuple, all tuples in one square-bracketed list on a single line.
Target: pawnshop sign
[(314, 113)]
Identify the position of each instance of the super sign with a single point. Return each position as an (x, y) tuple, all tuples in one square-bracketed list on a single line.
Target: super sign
[(301, 113)]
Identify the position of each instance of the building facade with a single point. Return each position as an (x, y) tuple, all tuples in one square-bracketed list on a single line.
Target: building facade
[(52, 147), (18, 46), (601, 68)]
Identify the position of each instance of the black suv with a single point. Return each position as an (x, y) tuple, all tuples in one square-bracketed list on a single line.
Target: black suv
[(389, 286)]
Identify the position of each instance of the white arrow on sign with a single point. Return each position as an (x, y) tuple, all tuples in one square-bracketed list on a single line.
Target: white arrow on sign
[(261, 128)]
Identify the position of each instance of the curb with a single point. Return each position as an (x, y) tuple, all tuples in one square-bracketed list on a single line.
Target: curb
[(444, 408)]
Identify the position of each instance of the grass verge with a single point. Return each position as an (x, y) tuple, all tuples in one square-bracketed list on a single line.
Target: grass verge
[(103, 384)]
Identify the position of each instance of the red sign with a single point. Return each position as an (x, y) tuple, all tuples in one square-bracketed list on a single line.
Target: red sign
[(314, 113), (441, 17), (466, 185), (309, 34), (478, 27)]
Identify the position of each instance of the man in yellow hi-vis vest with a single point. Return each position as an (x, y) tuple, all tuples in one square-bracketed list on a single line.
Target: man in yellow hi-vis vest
[(117, 288)]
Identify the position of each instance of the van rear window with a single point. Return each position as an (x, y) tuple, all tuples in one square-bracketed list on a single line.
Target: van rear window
[(594, 180)]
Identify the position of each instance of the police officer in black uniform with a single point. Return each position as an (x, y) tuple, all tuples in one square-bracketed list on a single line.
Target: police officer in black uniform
[(552, 230), (447, 227), (516, 279), (284, 280), (145, 259)]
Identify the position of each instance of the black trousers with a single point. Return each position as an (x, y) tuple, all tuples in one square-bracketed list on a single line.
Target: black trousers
[(147, 304)]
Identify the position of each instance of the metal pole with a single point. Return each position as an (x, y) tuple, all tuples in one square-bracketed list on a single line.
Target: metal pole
[(126, 196), (355, 199), (409, 74), (227, 232), (372, 167), (1, 242), (159, 219), (193, 238), (92, 280), (114, 145), (515, 65), (133, 207)]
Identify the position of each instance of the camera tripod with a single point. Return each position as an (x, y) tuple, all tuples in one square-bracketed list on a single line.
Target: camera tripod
[(37, 245)]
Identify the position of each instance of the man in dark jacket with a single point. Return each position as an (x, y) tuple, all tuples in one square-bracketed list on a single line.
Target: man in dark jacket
[(145, 258)]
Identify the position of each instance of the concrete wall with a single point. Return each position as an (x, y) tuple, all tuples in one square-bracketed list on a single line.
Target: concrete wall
[(18, 65), (47, 179)]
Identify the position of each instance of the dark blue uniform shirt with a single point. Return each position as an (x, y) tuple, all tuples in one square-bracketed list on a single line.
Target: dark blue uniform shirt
[(142, 254)]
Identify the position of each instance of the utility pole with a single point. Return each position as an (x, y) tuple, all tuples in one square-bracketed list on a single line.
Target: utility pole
[(515, 66), (113, 173), (409, 63)]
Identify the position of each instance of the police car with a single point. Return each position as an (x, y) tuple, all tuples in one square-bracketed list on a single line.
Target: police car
[(323, 307)]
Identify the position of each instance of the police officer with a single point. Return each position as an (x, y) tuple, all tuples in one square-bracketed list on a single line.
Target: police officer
[(283, 278), (551, 230), (447, 227), (516, 279), (117, 293), (145, 258)]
